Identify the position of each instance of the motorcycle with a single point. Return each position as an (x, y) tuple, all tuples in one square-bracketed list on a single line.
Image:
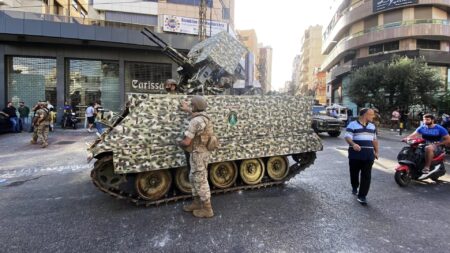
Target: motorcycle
[(69, 120), (411, 161)]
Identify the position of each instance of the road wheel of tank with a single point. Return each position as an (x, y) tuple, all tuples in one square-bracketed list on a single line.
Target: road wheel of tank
[(103, 172), (152, 185), (277, 167), (223, 175), (252, 171), (182, 180)]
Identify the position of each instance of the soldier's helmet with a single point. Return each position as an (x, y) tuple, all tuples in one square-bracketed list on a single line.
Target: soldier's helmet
[(198, 103), (43, 103)]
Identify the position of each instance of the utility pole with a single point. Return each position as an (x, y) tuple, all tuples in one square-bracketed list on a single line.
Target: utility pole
[(202, 20)]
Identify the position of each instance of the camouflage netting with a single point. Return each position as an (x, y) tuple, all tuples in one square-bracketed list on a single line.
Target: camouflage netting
[(222, 49), (266, 126)]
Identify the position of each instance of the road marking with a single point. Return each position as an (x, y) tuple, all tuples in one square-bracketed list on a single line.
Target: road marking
[(8, 174)]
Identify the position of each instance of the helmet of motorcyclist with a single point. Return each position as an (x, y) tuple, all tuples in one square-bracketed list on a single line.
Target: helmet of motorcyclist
[(198, 103)]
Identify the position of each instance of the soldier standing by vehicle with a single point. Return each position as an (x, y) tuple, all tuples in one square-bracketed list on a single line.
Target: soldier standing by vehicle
[(41, 124), (194, 142), (171, 86)]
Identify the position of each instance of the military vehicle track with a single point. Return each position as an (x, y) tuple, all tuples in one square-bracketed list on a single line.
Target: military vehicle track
[(121, 186)]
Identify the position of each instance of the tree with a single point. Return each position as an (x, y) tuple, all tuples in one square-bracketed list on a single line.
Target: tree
[(366, 85), (399, 83)]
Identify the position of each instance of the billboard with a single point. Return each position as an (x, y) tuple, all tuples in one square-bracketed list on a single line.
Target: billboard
[(381, 5), (185, 25)]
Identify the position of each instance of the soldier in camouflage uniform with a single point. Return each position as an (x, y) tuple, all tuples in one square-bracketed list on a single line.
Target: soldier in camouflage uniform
[(198, 175), (171, 86), (41, 124)]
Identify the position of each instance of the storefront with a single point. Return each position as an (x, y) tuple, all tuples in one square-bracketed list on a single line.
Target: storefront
[(70, 79)]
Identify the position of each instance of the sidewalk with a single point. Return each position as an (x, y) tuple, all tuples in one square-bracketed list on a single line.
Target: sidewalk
[(66, 150), (386, 133)]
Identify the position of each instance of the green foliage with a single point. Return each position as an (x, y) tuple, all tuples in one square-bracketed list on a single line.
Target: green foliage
[(399, 83)]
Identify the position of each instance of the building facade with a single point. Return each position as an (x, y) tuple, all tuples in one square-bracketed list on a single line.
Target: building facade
[(364, 31), (73, 59), (265, 67), (310, 58)]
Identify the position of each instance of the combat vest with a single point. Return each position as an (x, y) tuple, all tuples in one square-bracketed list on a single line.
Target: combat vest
[(46, 113), (205, 141)]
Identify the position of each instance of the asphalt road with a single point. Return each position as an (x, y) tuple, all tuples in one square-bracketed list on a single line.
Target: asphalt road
[(48, 204)]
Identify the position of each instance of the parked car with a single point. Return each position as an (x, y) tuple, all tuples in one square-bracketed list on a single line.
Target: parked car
[(321, 122), (5, 124)]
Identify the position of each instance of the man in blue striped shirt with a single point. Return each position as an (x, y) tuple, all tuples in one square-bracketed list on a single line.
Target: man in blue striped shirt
[(361, 135)]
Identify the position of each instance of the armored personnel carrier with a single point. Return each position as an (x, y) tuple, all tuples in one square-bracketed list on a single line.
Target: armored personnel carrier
[(138, 157)]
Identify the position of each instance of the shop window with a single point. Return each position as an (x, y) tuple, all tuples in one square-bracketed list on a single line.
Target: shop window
[(143, 77), (429, 44), (90, 81), (30, 80)]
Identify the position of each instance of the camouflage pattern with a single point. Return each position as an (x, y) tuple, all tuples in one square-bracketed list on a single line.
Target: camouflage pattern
[(222, 49), (246, 126), (42, 133), (198, 175), (197, 125)]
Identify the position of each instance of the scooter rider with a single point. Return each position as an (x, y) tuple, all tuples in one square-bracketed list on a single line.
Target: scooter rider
[(435, 136)]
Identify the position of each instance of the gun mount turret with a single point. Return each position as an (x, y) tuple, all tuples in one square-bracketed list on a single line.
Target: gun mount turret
[(211, 66)]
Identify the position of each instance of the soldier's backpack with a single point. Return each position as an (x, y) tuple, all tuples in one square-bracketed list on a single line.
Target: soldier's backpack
[(208, 138)]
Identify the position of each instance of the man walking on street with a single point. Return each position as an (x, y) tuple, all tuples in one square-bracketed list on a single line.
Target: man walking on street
[(41, 124), (199, 127), (363, 150)]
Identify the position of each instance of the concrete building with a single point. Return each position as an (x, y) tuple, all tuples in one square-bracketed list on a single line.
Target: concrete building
[(265, 67), (250, 40), (310, 58), (49, 51), (319, 86), (176, 16), (362, 31)]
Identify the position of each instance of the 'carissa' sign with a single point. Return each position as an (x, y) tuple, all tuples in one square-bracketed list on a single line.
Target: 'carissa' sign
[(381, 5), (146, 86)]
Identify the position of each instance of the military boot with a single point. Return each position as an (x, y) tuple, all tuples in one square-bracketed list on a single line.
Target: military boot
[(206, 210), (33, 142), (44, 145), (196, 204)]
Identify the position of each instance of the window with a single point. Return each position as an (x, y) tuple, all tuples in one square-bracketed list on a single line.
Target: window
[(386, 47), (191, 2), (429, 44), (75, 4), (31, 79), (391, 46), (226, 13), (90, 81), (376, 49)]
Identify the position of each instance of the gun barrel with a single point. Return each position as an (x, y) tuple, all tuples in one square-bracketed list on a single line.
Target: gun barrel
[(168, 50)]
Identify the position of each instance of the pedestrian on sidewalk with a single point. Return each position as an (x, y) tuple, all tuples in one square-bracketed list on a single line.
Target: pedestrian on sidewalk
[(363, 150), (90, 115), (24, 113), (395, 118), (11, 112)]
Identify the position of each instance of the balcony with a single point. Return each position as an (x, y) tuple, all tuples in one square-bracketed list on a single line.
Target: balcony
[(360, 11), (431, 28)]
